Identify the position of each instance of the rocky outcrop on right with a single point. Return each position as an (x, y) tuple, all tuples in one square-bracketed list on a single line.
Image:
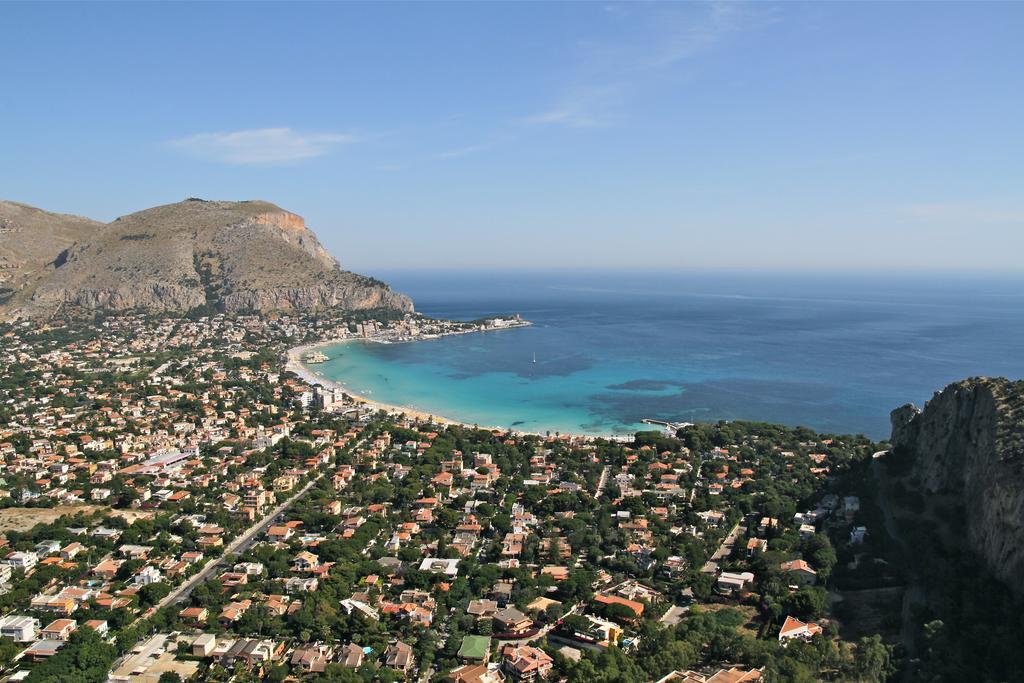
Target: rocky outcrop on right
[(968, 441)]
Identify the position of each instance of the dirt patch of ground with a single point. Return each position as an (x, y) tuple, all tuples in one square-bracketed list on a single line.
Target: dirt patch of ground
[(866, 612), (131, 515), (23, 519), (750, 627)]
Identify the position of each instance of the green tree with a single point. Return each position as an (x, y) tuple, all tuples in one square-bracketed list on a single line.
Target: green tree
[(809, 602), (873, 660), (7, 651), (86, 658)]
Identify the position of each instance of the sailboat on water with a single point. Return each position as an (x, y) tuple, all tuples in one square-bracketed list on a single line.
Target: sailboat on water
[(535, 357)]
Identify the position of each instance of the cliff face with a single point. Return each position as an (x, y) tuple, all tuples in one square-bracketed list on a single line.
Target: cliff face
[(969, 441), (231, 256)]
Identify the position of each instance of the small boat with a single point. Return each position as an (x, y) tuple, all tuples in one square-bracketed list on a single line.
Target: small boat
[(534, 356)]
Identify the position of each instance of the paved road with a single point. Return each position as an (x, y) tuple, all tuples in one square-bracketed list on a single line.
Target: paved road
[(237, 546), (724, 550), (240, 545), (674, 615), (243, 542), (696, 480), (602, 481)]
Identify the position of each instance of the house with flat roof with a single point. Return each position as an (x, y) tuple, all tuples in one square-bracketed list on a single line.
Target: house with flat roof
[(203, 645), (22, 560), (20, 629), (42, 649), (436, 565), (730, 583)]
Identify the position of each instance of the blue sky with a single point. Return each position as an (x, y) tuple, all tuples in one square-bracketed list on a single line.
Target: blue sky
[(711, 135)]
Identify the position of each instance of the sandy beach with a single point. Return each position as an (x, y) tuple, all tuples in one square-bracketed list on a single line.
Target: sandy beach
[(296, 365)]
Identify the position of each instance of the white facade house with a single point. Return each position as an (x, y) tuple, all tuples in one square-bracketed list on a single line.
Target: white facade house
[(794, 629), (437, 565), (47, 547), (148, 575), (23, 560), (729, 582), (19, 629)]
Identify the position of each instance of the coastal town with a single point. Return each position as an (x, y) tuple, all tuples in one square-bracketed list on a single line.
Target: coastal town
[(183, 500), (301, 360)]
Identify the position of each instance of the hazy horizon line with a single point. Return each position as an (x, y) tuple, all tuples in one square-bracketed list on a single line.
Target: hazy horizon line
[(993, 273)]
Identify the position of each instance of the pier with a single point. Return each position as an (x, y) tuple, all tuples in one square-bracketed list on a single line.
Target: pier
[(669, 426)]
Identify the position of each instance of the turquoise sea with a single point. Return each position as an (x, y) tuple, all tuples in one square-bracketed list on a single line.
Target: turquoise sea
[(836, 353)]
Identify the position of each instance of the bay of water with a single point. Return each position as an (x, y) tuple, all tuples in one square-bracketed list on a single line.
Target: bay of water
[(835, 353)]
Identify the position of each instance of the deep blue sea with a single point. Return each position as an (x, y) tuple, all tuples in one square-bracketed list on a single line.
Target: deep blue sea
[(836, 353)]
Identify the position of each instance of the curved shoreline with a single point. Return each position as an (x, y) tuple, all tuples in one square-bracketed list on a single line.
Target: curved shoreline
[(310, 376), (295, 364)]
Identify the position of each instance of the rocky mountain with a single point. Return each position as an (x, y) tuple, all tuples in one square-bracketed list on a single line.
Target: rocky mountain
[(32, 244), (228, 256), (968, 441)]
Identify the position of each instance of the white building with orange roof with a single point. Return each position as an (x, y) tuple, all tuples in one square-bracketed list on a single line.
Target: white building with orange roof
[(799, 572), (793, 628)]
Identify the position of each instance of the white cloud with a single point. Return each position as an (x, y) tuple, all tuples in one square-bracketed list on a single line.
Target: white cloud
[(580, 107), (678, 37), (611, 72), (260, 145), (463, 151), (567, 115)]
